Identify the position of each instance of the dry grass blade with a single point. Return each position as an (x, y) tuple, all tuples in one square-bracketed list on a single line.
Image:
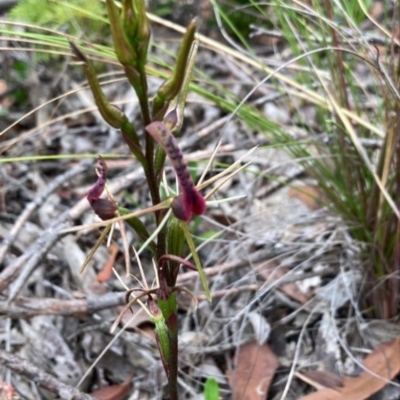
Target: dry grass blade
[(95, 247), (350, 130)]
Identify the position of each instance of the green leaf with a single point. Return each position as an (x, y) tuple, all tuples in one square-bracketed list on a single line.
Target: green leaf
[(211, 389)]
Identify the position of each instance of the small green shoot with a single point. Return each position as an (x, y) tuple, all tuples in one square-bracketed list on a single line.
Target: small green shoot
[(211, 389)]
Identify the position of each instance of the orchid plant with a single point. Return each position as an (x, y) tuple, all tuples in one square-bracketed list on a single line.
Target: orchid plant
[(162, 118)]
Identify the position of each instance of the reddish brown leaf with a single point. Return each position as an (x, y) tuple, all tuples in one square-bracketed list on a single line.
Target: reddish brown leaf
[(310, 195), (255, 368), (383, 361), (106, 272), (114, 392)]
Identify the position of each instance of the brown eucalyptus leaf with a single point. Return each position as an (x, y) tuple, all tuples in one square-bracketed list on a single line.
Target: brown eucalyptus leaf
[(114, 392), (255, 369), (383, 361), (311, 195)]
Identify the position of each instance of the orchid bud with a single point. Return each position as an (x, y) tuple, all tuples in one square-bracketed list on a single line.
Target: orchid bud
[(111, 114), (180, 209), (129, 19), (137, 27), (172, 86), (171, 119), (143, 31), (104, 208), (123, 49)]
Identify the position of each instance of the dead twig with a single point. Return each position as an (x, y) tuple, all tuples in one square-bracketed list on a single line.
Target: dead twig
[(23, 307), (37, 202), (23, 266), (42, 379)]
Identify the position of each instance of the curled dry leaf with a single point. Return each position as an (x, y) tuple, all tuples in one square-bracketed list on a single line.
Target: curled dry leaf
[(383, 361), (255, 369)]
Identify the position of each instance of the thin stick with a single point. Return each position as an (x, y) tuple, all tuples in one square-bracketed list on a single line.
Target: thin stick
[(42, 379), (37, 202)]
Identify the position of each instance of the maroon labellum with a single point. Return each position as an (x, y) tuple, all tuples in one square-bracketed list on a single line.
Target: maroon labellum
[(190, 201)]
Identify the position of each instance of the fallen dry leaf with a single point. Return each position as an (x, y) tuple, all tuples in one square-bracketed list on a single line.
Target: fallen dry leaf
[(114, 392), (106, 272), (310, 195), (255, 368), (383, 361), (272, 271)]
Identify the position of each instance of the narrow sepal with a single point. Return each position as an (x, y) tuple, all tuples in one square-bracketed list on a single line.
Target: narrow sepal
[(111, 114)]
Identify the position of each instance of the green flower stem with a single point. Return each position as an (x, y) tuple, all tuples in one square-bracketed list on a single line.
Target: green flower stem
[(140, 87), (138, 80), (176, 239), (169, 308)]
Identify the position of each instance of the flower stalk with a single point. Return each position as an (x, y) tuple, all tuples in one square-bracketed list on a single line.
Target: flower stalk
[(131, 35)]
